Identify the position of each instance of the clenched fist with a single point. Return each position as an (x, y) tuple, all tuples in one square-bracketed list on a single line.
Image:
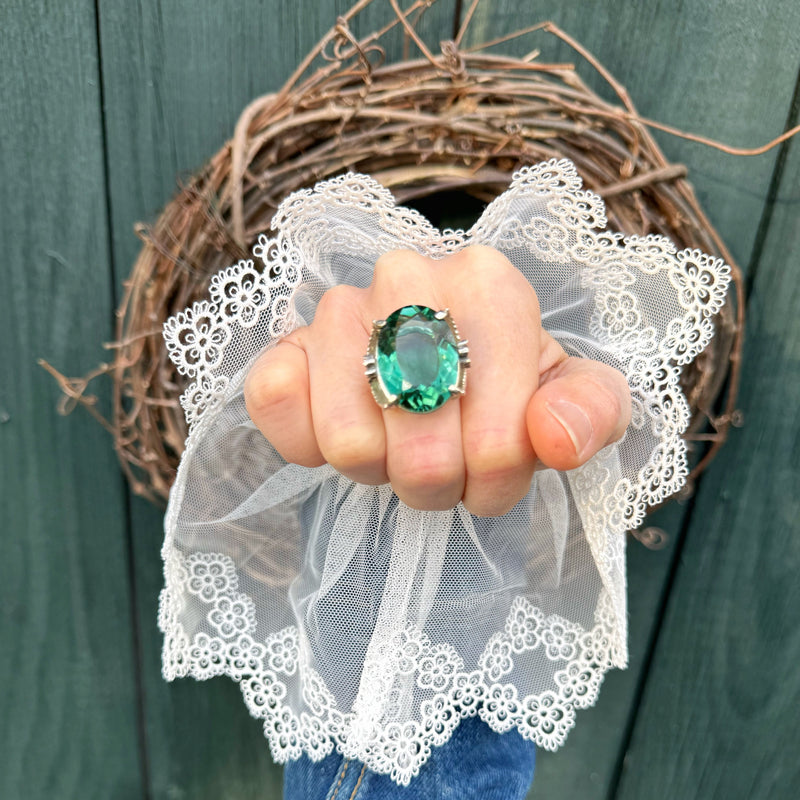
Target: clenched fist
[(526, 400)]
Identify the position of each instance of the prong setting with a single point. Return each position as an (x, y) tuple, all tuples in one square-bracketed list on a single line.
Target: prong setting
[(371, 366)]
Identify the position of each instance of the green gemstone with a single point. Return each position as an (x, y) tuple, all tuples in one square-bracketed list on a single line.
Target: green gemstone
[(417, 359)]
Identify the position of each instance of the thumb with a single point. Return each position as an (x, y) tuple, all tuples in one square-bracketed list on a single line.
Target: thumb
[(580, 407)]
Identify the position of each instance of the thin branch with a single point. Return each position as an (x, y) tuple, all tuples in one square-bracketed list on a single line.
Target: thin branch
[(413, 34), (717, 145), (465, 24), (507, 38)]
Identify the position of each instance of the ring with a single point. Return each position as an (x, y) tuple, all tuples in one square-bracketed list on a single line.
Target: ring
[(416, 359)]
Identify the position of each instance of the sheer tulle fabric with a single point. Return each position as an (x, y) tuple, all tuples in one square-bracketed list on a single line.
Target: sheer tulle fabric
[(354, 622)]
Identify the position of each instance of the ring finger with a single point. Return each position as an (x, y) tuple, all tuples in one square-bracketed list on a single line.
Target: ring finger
[(424, 453)]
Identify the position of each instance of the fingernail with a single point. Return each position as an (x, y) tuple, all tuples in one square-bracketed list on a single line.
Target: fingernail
[(574, 421)]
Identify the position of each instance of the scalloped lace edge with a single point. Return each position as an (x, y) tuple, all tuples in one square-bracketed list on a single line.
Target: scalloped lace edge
[(399, 748)]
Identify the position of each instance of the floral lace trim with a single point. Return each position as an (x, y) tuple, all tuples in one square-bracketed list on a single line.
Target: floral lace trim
[(251, 306), (264, 668), (204, 341)]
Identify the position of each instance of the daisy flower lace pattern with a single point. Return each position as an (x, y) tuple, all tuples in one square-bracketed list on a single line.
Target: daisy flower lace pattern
[(270, 568)]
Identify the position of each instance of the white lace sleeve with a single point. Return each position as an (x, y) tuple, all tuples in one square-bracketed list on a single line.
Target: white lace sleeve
[(352, 621)]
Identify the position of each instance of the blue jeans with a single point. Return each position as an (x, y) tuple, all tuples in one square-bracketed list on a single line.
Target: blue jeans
[(475, 763)]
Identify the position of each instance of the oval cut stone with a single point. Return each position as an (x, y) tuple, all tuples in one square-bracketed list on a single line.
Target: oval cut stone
[(417, 359)]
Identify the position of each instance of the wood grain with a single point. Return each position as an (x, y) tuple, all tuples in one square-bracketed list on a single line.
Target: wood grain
[(725, 70), (176, 77), (719, 716), (68, 700), (584, 766), (719, 704)]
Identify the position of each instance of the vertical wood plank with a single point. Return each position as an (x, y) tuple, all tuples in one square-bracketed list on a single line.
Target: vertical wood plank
[(719, 716), (584, 766), (68, 718), (176, 78), (723, 69)]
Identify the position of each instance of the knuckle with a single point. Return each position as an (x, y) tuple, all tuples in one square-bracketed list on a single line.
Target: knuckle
[(430, 476), (481, 270), (396, 270), (499, 471), (484, 260), (338, 300), (268, 387), (396, 260), (492, 456), (352, 448), (427, 466)]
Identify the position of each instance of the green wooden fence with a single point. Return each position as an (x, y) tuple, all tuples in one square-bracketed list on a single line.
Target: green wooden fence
[(102, 104)]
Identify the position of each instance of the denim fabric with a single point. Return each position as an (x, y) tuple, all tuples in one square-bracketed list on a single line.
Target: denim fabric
[(476, 763)]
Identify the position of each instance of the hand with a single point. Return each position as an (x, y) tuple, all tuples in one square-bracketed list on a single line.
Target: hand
[(526, 400)]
